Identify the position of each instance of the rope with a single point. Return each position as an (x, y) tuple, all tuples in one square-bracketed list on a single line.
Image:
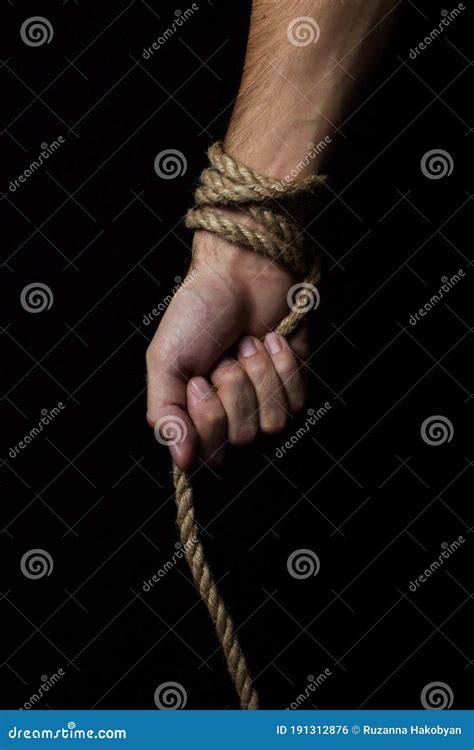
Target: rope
[(268, 201)]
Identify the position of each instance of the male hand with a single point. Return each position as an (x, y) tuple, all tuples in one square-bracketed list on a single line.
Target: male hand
[(216, 373)]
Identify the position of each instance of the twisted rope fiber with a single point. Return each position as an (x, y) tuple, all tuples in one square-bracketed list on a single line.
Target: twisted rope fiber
[(228, 183)]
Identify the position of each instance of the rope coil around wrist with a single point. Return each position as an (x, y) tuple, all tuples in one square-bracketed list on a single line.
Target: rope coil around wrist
[(272, 203)]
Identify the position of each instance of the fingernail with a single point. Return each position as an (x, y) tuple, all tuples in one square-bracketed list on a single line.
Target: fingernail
[(201, 388), (225, 362), (273, 343), (246, 347)]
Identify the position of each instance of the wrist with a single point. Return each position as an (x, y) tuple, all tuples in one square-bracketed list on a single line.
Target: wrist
[(292, 151), (214, 254), (251, 210)]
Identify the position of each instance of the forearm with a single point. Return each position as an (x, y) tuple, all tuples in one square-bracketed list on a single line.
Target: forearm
[(291, 95), (305, 62)]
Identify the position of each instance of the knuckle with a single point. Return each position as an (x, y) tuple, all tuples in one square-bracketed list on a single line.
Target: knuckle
[(257, 367), (215, 416), (273, 422), (298, 401), (244, 431), (150, 356), (232, 378), (244, 434), (286, 365)]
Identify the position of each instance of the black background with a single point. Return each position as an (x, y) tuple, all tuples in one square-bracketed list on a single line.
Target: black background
[(362, 489)]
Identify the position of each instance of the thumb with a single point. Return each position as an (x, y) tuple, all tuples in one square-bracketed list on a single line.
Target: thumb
[(166, 411)]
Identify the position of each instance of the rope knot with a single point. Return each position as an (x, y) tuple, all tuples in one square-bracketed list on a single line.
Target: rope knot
[(276, 206)]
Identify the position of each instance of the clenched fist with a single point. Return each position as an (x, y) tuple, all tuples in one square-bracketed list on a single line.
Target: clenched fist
[(216, 372)]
